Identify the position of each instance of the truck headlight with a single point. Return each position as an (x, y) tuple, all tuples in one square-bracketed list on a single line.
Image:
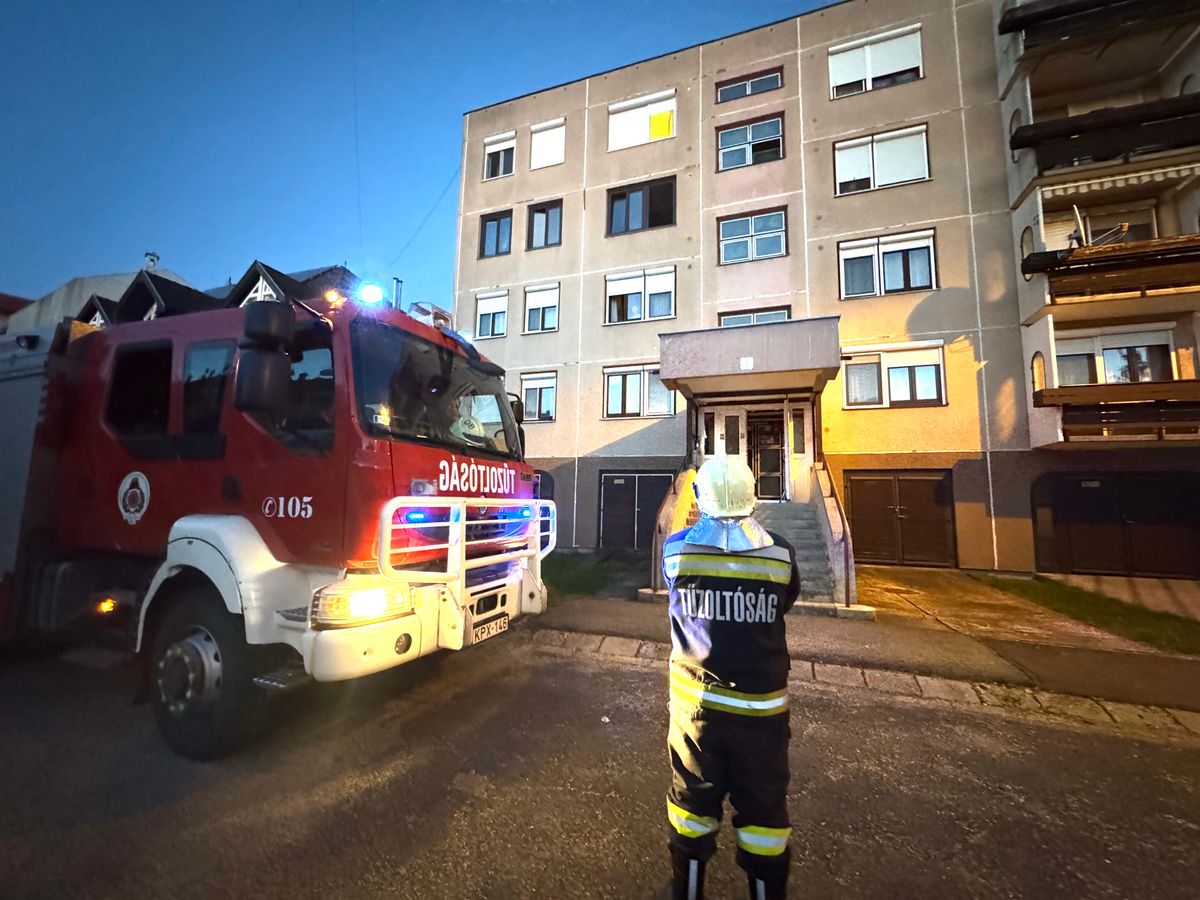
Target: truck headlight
[(350, 603)]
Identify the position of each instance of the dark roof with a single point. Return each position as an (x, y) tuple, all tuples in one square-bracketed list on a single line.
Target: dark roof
[(224, 290), (10, 303), (170, 298), (636, 62)]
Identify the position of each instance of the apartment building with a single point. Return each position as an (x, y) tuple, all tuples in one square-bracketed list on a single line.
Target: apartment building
[(844, 245)]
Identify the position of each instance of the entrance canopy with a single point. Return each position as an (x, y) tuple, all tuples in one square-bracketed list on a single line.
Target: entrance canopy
[(794, 355)]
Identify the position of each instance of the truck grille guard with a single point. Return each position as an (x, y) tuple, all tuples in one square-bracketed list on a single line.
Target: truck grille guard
[(476, 541)]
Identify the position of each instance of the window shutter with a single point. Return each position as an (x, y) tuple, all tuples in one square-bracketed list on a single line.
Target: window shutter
[(900, 157), (847, 66), (625, 283), (641, 120), (852, 161), (491, 303), (660, 281), (540, 297), (896, 54), (548, 144), (1056, 231)]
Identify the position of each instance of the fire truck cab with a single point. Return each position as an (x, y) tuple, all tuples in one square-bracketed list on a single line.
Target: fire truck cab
[(307, 487)]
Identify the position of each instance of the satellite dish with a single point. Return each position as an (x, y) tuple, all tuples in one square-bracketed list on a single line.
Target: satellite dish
[(1079, 235)]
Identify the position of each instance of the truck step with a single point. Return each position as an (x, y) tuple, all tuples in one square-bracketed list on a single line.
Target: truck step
[(286, 679)]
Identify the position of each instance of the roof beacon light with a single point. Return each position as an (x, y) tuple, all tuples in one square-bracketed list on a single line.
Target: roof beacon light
[(371, 293)]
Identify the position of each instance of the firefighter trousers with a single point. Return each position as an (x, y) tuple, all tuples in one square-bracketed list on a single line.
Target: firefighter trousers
[(714, 755)]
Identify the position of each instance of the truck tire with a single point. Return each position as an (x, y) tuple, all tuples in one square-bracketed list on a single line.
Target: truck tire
[(201, 677)]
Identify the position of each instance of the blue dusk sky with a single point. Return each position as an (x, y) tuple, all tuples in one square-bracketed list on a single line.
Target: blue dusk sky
[(299, 132)]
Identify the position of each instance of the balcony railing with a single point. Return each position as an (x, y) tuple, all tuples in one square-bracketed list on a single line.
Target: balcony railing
[(1051, 23), (1108, 134), (1141, 268), (1147, 410)]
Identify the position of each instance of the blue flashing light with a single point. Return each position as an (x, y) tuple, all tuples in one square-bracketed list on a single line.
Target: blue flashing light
[(416, 515), (371, 293), (526, 512)]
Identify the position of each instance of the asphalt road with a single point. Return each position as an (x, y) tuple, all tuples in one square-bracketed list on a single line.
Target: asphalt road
[(505, 771)]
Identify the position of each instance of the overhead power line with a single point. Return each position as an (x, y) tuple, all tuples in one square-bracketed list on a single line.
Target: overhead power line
[(425, 220)]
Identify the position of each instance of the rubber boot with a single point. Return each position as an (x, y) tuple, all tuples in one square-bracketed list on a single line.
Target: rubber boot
[(687, 877), (760, 889)]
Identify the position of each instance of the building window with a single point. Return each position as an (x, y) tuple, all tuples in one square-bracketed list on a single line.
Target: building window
[(636, 391), (491, 314), (881, 160), (260, 291), (753, 237), (888, 265), (499, 151), (750, 144), (641, 206), (755, 317), (753, 84), (1026, 248), (547, 143), (541, 308), (1114, 358), (1015, 121), (1037, 371), (495, 234), (539, 393), (877, 62), (641, 120), (906, 376), (634, 296), (545, 225)]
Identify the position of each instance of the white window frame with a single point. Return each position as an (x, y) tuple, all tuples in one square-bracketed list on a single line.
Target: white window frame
[(872, 142), (777, 74), (874, 248), (754, 316), (259, 293), (539, 381), (751, 236), (659, 276), (629, 114), (548, 140), (489, 304), (866, 45), (1094, 341), (645, 371), (749, 144), (890, 356), (541, 296), (498, 143)]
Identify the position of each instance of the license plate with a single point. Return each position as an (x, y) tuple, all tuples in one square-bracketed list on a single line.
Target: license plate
[(488, 629)]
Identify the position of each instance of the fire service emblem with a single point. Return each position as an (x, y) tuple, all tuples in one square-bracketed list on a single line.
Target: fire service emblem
[(133, 496)]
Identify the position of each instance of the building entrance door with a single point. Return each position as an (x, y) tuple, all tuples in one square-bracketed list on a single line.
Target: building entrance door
[(723, 431), (764, 440)]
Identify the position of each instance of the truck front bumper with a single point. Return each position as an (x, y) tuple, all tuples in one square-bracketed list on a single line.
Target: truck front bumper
[(336, 654)]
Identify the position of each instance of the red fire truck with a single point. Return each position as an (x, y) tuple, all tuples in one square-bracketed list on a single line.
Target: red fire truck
[(304, 488)]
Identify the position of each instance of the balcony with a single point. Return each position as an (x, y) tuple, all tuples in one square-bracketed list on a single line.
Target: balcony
[(1050, 24), (1163, 267), (1119, 133), (1138, 411)]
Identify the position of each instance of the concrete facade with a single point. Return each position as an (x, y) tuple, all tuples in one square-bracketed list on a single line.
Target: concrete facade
[(979, 318)]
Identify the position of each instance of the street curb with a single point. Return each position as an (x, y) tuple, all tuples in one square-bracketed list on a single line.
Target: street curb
[(1047, 705)]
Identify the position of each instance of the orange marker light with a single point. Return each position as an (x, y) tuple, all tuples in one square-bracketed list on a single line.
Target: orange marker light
[(106, 606)]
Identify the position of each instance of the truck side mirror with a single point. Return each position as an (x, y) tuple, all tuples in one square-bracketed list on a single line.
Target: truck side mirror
[(263, 381), (270, 323), (518, 409)]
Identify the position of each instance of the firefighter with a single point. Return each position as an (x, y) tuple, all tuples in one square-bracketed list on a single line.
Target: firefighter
[(731, 582)]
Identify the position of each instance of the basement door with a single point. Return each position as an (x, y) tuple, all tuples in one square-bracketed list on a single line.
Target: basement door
[(629, 504), (902, 518)]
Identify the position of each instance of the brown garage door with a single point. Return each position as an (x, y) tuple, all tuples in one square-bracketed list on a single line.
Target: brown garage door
[(1119, 523), (902, 518)]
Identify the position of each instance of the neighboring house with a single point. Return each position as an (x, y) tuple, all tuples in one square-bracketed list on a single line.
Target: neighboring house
[(69, 299), (10, 304), (837, 244)]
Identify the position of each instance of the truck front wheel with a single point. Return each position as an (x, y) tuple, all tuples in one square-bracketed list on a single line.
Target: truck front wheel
[(202, 671)]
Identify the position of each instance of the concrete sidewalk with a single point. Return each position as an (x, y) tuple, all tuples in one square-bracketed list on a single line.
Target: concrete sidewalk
[(921, 646)]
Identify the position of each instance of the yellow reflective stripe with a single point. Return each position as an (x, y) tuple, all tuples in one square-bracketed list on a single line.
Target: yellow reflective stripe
[(737, 559), (763, 841), (724, 700), (689, 824), (726, 570)]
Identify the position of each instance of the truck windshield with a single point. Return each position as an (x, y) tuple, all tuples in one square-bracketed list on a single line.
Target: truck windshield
[(413, 389)]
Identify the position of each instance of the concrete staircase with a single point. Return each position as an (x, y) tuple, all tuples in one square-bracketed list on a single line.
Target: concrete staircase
[(798, 524)]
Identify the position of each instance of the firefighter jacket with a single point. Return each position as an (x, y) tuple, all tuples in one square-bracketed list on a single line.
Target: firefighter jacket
[(729, 652)]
